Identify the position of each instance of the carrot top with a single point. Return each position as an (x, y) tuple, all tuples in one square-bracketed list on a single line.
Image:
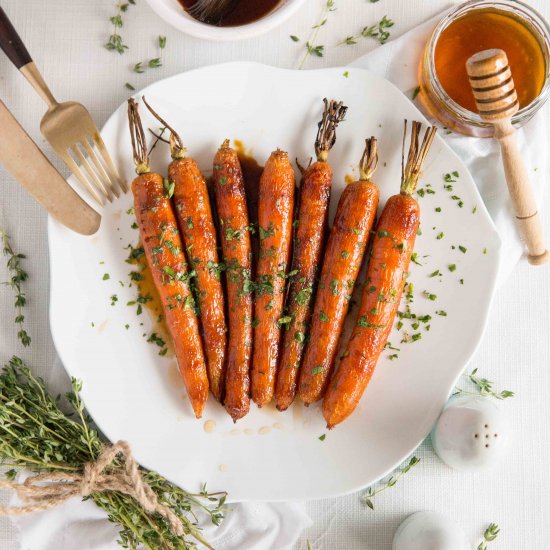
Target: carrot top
[(177, 150), (369, 159), (333, 113), (410, 171), (139, 142)]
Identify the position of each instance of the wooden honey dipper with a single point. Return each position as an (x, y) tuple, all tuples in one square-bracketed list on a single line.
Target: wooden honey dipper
[(497, 101)]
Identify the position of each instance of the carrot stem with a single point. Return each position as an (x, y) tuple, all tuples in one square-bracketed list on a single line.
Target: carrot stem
[(177, 150), (139, 141), (369, 159), (333, 113), (410, 171)]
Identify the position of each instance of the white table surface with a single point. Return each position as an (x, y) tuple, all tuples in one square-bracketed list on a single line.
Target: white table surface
[(65, 38)]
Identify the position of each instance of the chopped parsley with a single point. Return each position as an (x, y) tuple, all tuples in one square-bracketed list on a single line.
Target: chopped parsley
[(362, 322), (169, 187), (268, 232), (284, 321)]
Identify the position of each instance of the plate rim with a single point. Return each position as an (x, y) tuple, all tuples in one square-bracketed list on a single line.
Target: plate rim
[(52, 224)]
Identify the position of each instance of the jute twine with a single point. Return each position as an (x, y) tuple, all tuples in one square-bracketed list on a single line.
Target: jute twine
[(48, 490)]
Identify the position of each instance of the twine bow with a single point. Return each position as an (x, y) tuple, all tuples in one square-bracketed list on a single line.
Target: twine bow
[(47, 490)]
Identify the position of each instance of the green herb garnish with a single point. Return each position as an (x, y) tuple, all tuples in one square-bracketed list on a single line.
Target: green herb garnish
[(17, 276)]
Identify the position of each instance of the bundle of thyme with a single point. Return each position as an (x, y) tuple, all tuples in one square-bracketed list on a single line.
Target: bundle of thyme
[(35, 434)]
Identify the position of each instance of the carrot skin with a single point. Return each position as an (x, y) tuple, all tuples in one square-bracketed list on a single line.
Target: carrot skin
[(344, 254), (392, 247), (309, 239), (237, 254), (199, 236), (275, 211), (158, 226)]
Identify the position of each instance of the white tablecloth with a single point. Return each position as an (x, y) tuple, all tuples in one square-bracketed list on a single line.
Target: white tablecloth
[(66, 37)]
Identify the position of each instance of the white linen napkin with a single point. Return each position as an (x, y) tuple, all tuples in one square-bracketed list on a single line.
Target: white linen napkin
[(257, 526), (398, 62)]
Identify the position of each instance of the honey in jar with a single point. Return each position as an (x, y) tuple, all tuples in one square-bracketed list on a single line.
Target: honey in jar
[(472, 27), (485, 29)]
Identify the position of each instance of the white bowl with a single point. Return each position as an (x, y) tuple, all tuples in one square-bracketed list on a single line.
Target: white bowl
[(172, 12)]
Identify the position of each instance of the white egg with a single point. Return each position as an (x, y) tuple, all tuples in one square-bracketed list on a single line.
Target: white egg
[(471, 432), (429, 531)]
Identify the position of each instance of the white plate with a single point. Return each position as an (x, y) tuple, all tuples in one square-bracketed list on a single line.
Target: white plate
[(134, 394)]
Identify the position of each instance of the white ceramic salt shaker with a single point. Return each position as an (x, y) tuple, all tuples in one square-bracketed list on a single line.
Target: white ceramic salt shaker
[(429, 531), (471, 432)]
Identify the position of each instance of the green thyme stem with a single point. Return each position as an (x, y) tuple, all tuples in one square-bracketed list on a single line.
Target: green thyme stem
[(367, 498), (115, 42), (17, 276), (310, 44), (490, 534), (37, 435), (379, 32), (484, 388)]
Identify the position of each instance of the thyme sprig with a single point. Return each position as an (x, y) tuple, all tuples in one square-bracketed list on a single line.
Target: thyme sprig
[(17, 276), (115, 42), (379, 32), (491, 533), (484, 388), (311, 48), (153, 63), (37, 435), (368, 497)]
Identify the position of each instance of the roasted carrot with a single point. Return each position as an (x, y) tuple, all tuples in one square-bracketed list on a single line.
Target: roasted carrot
[(341, 264), (167, 261), (392, 247), (309, 238), (275, 211), (230, 196), (190, 195)]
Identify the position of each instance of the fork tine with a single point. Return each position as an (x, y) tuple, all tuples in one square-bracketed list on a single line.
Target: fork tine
[(75, 169), (92, 175), (100, 170), (113, 172)]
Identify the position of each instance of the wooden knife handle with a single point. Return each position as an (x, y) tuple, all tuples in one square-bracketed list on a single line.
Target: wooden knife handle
[(11, 42)]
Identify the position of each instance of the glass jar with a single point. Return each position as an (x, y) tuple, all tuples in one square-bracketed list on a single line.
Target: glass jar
[(440, 105)]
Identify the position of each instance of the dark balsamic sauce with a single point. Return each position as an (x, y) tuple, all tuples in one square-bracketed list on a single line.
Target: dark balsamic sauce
[(241, 12)]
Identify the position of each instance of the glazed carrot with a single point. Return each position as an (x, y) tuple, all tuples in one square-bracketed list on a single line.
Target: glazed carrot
[(166, 259), (275, 211), (341, 264), (196, 224), (392, 247), (237, 256), (309, 238)]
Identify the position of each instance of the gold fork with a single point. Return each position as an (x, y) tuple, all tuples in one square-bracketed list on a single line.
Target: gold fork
[(67, 126)]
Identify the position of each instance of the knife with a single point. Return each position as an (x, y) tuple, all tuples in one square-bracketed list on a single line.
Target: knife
[(25, 161)]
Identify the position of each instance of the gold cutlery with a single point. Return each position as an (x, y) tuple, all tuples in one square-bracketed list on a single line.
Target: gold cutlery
[(67, 126), (26, 162)]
